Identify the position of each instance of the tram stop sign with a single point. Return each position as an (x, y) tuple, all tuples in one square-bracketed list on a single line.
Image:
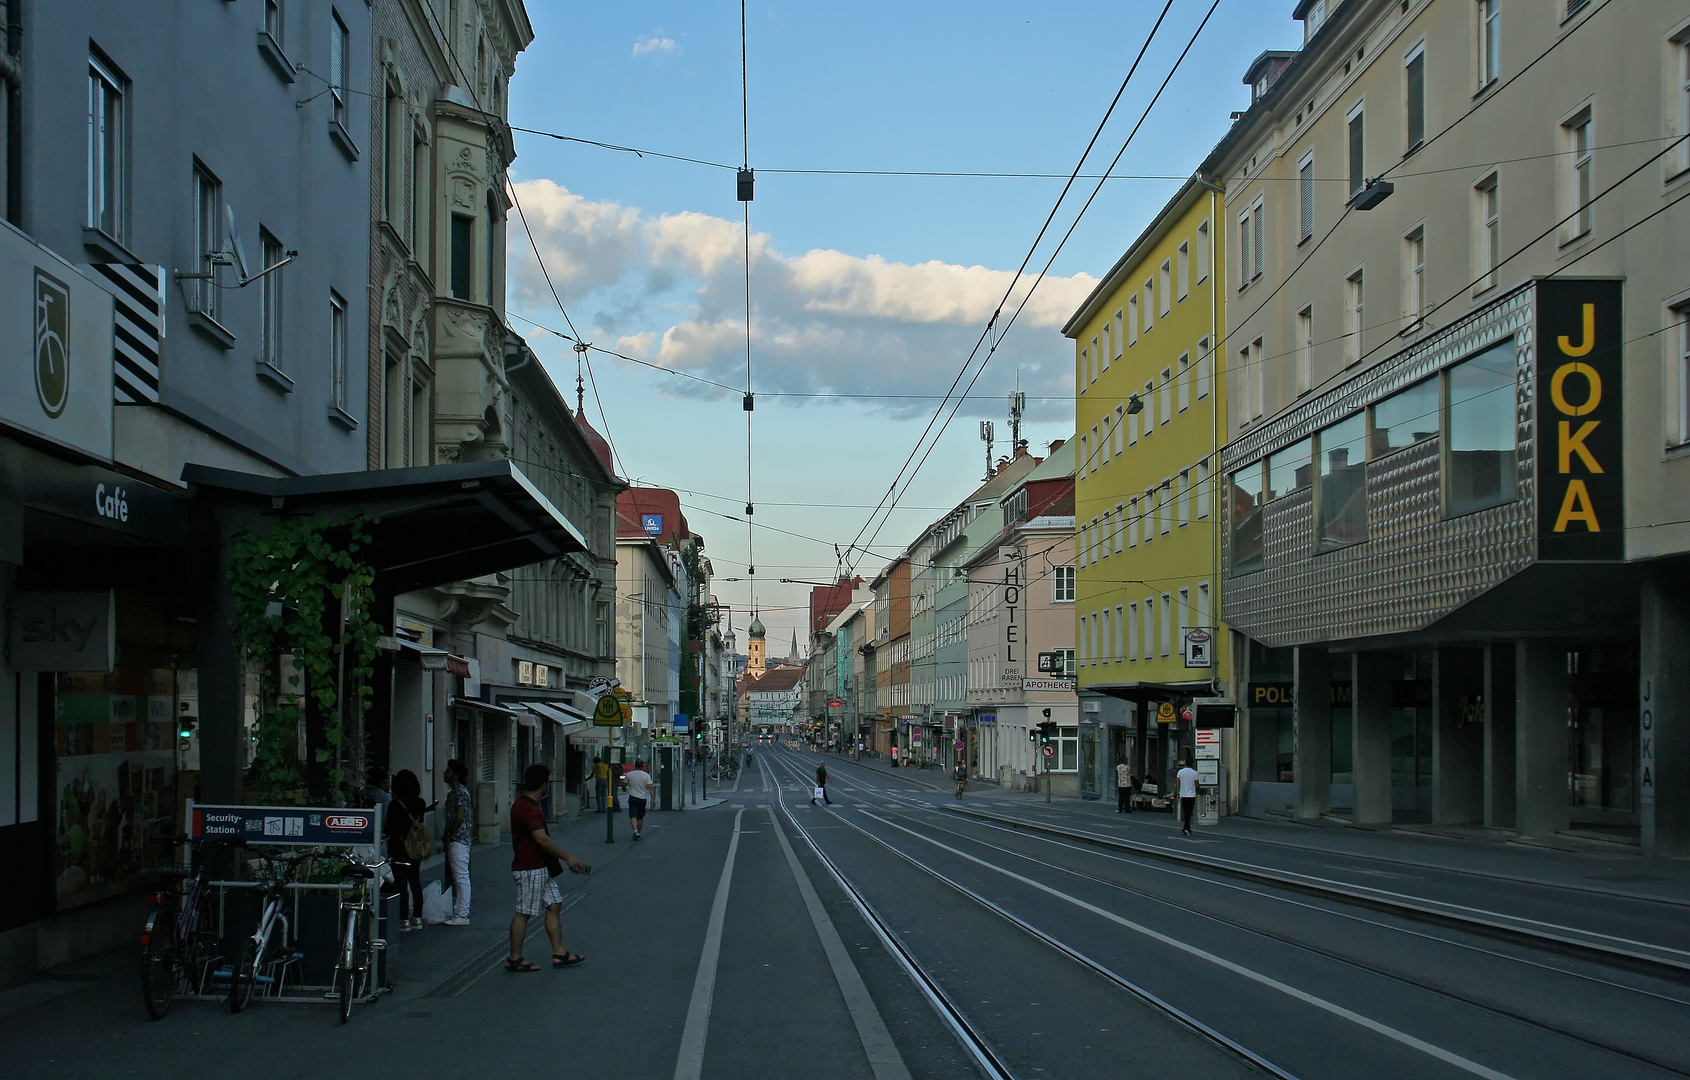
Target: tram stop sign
[(608, 712), (1165, 713)]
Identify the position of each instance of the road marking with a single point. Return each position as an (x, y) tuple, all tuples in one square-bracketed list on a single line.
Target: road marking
[(883, 1056), (1438, 1052), (689, 1064)]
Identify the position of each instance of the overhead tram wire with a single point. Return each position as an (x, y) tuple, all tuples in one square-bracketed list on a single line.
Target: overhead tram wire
[(1015, 280), (1143, 116)]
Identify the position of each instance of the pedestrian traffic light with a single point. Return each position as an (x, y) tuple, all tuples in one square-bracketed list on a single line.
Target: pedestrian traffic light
[(185, 727)]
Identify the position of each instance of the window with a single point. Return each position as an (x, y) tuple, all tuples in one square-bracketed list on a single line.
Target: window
[(422, 407), (1576, 134), (1132, 503), (1483, 431), (1314, 19), (1132, 319), (1681, 56), (1120, 414), (204, 296), (1107, 637), (1085, 456), (1182, 494), (1683, 314), (1084, 381), (1062, 579), (1184, 269), (1358, 174), (1203, 605), (1165, 394), (1354, 311), (1147, 507), (1120, 525), (1414, 276), (340, 66), (1165, 631), (1256, 380), (1414, 82), (1288, 470), (1305, 349), (1245, 494), (1068, 749), (494, 295), (1202, 252), (393, 155), (1490, 41), (1117, 336), (1405, 418), (1132, 429), (1149, 413), (463, 234), (1305, 198), (1183, 380), (1244, 249), (1149, 304), (1204, 494), (1487, 242), (393, 401), (1165, 282), (1202, 368), (1342, 496), (1257, 217), (1108, 350), (1164, 506), (1183, 618), (108, 161), (1132, 631), (270, 302), (337, 351), (419, 196)]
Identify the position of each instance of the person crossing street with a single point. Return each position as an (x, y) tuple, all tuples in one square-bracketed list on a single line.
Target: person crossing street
[(821, 784)]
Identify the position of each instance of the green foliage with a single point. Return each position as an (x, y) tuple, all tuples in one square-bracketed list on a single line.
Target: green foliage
[(289, 589)]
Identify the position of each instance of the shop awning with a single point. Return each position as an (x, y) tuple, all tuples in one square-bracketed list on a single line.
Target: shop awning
[(524, 718), (567, 717), (430, 659), (427, 526)]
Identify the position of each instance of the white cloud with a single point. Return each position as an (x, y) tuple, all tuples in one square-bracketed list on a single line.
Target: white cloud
[(652, 44), (670, 288)]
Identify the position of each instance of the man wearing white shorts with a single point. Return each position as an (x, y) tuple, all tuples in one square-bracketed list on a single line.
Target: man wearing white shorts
[(638, 783), (536, 892)]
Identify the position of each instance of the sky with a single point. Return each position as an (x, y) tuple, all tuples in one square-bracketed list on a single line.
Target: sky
[(867, 292)]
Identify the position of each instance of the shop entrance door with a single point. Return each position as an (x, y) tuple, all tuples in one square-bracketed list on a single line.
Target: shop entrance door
[(1602, 737)]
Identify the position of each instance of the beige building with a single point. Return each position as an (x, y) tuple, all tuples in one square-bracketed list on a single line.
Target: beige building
[(1456, 319)]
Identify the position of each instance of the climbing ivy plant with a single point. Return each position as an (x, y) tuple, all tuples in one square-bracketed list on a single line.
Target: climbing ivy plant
[(291, 587)]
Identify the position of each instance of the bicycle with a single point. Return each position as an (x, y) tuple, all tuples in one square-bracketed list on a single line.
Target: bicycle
[(256, 955), (172, 940), (355, 968)]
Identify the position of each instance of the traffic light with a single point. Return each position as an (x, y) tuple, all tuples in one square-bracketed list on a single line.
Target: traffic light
[(185, 726), (1047, 731)]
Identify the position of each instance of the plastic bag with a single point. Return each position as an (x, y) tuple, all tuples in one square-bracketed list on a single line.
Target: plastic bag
[(437, 904)]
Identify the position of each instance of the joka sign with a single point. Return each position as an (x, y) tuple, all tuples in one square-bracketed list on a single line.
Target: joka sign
[(1580, 411)]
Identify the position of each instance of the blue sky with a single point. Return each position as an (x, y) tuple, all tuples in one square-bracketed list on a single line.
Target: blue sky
[(860, 284)]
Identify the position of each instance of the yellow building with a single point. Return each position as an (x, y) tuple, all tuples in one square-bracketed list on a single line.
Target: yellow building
[(1150, 407)]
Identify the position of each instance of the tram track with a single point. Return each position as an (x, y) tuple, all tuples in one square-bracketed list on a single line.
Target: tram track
[(911, 806)]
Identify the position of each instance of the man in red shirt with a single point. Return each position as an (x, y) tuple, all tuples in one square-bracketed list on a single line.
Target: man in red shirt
[(536, 892)]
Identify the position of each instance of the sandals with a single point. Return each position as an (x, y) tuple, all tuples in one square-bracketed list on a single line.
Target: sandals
[(567, 959), (519, 965)]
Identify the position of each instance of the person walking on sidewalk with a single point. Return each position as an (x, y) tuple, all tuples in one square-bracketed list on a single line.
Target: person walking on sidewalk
[(638, 783), (407, 846), (457, 837), (1187, 777), (1123, 788), (821, 784), (536, 892)]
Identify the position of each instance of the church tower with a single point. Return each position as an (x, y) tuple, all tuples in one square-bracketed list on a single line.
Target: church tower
[(754, 646)]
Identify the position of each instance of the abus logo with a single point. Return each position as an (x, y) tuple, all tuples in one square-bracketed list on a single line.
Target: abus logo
[(347, 821)]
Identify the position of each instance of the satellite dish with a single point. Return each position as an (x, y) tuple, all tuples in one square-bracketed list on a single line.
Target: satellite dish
[(235, 242)]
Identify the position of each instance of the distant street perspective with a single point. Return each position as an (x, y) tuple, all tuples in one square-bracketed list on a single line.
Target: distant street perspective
[(733, 539)]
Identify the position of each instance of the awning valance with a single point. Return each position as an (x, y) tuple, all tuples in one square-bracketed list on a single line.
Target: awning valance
[(495, 710), (566, 717), (430, 659)]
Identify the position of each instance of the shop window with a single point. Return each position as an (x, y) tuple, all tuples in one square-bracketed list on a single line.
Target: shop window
[(1342, 497), (1483, 433), (1289, 470), (1067, 749), (1405, 418), (1245, 487)]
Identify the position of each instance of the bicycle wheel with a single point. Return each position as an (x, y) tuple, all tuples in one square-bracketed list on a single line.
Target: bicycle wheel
[(160, 968), (245, 976), (345, 982)]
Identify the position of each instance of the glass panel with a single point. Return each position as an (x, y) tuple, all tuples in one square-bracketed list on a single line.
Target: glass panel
[(1289, 470), (1343, 482), (1482, 430), (1405, 418), (1247, 553)]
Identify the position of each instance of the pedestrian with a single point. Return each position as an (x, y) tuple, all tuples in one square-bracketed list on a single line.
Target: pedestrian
[(894, 755), (1123, 788), (601, 780), (1187, 777), (457, 838), (407, 846), (960, 775), (638, 783), (821, 783), (536, 892), (374, 793)]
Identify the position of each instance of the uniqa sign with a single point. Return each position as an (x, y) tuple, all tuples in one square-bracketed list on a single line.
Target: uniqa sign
[(1580, 420)]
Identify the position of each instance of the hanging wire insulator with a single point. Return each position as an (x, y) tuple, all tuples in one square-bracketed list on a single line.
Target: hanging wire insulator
[(747, 181), (747, 509), (749, 404)]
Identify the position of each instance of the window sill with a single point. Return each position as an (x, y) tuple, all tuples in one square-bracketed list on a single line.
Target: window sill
[(1485, 89), (271, 50), (106, 246), (343, 139), (1480, 290), (1415, 149), (275, 376), (340, 416), (210, 329), (1575, 241), (1306, 238)]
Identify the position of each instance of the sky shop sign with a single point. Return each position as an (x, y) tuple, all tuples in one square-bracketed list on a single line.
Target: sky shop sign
[(1580, 409)]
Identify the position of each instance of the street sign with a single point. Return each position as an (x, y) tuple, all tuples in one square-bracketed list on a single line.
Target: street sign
[(1208, 744), (835, 703), (1059, 685), (1048, 751), (283, 824), (959, 744), (1165, 713), (1199, 648), (608, 712)]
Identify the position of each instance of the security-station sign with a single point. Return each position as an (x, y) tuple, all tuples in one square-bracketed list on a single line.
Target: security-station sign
[(354, 827), (1208, 744), (1199, 647)]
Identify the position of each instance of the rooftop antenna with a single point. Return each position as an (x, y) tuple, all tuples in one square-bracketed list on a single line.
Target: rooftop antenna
[(1017, 405), (986, 432), (232, 254)]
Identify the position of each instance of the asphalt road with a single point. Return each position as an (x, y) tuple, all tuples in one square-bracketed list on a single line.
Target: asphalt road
[(887, 937)]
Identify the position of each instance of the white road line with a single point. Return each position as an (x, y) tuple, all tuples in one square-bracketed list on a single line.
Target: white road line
[(689, 1064), (883, 1056), (1438, 1052)]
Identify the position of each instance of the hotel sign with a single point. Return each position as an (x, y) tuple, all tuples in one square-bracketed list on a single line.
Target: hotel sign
[(1581, 415)]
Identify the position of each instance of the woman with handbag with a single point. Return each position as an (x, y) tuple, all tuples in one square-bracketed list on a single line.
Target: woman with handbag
[(407, 846)]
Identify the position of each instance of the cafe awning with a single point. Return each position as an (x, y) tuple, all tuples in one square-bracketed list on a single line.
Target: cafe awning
[(427, 526), (566, 717)]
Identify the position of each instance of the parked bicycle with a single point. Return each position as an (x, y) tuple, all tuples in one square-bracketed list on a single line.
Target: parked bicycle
[(355, 968), (261, 953), (175, 944)]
